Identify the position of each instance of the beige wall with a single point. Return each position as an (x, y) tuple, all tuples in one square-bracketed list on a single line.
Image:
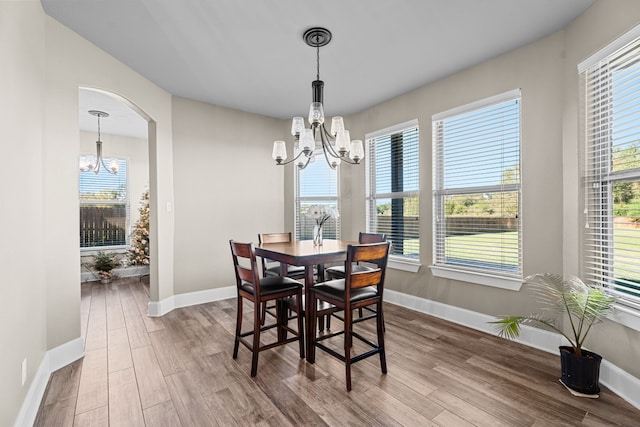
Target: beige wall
[(226, 186), (23, 287)]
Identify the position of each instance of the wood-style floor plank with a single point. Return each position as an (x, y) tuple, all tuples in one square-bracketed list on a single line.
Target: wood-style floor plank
[(124, 400), (177, 370), (93, 391)]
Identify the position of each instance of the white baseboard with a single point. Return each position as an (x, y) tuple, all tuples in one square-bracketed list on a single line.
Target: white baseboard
[(160, 308), (53, 360), (616, 379)]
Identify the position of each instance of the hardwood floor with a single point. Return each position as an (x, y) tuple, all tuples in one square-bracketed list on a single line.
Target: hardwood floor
[(177, 370)]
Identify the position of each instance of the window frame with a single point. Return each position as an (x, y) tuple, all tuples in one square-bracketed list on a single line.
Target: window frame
[(458, 271), (600, 176), (320, 200), (126, 201), (399, 262)]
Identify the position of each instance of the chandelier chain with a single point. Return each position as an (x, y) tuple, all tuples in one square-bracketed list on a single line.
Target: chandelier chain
[(317, 59)]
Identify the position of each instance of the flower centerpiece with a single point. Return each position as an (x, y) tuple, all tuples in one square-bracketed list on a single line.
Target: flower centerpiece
[(321, 213)]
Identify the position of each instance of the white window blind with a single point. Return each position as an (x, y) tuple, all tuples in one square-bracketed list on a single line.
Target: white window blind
[(104, 207), (476, 187), (611, 114), (317, 184), (393, 187)]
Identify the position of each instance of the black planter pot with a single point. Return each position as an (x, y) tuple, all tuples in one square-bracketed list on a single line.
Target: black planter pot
[(580, 373)]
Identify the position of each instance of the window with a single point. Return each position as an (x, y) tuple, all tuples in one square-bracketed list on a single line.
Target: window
[(392, 188), (317, 184), (476, 188), (611, 94), (104, 207)]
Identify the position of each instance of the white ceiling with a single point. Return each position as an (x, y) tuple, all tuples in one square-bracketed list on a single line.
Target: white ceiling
[(250, 55)]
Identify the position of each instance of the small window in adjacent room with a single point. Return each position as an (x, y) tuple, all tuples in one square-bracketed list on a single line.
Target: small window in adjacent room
[(393, 187), (477, 228), (104, 207), (610, 83), (317, 184)]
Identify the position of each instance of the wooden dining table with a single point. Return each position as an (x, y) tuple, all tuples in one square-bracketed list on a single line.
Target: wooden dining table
[(305, 253)]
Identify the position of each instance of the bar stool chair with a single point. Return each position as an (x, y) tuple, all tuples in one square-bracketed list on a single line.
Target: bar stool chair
[(357, 289), (260, 291), (338, 272)]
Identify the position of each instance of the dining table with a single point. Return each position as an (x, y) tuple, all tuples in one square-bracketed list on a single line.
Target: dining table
[(305, 253)]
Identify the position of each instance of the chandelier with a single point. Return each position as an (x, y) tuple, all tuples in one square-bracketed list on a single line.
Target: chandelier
[(89, 163), (336, 144)]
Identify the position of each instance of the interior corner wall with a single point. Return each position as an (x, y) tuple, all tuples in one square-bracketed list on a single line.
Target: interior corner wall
[(600, 25), (536, 69), (23, 288), (226, 186)]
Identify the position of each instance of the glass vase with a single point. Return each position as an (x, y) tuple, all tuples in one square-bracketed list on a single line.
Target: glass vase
[(317, 235)]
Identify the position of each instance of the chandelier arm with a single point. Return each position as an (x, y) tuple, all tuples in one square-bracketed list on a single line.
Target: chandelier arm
[(329, 139), (294, 159), (331, 150)]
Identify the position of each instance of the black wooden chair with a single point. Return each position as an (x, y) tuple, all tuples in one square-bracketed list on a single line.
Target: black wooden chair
[(357, 289), (338, 272), (260, 291)]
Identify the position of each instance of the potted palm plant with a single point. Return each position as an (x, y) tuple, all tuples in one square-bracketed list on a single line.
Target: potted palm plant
[(584, 306), (104, 263)]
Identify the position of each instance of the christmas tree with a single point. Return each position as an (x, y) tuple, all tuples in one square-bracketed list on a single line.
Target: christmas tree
[(139, 252)]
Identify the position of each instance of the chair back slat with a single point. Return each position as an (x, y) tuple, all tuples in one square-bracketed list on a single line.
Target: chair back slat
[(372, 252), (372, 237), (366, 278), (274, 237), (245, 273), (375, 253)]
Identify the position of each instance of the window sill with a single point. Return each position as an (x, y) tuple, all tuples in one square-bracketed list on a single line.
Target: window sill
[(412, 266), (494, 281), (625, 316)]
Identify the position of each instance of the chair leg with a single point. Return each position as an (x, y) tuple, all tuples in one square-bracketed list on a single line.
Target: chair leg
[(256, 341), (312, 306), (348, 314), (380, 328), (238, 328), (263, 313), (300, 324)]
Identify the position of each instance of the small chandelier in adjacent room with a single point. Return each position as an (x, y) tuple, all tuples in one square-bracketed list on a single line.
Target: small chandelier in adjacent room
[(89, 163), (336, 144)]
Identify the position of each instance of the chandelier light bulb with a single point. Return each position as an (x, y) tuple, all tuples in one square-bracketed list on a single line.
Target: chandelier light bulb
[(279, 153), (337, 125), (297, 126), (316, 114)]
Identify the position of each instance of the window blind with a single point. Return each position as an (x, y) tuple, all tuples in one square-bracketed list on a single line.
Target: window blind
[(476, 187), (393, 184), (317, 184), (104, 207), (611, 117)]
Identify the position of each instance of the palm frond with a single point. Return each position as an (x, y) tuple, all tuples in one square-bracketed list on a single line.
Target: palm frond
[(584, 304)]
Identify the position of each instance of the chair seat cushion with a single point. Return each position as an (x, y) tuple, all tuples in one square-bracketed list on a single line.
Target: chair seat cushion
[(337, 272), (292, 270), (272, 285), (335, 289)]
